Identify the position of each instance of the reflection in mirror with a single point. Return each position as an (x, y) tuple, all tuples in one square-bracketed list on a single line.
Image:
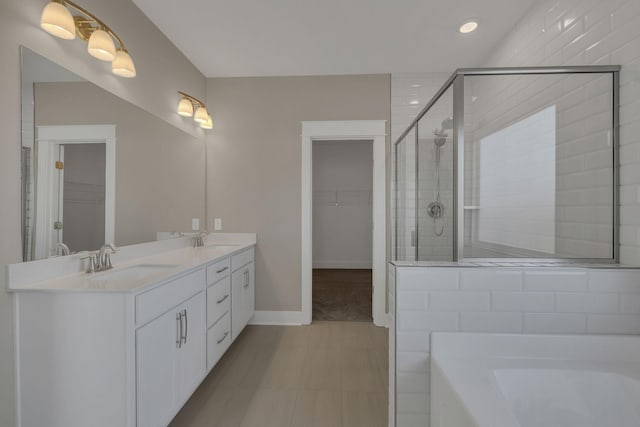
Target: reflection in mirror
[(97, 169)]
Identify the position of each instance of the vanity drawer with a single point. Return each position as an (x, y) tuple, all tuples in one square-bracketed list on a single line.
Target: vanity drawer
[(218, 340), (217, 271), (218, 300), (243, 258), (153, 303)]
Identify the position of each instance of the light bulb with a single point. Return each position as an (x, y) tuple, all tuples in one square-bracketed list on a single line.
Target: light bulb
[(208, 124), (122, 65), (185, 108), (101, 46), (57, 20), (201, 115), (468, 27)]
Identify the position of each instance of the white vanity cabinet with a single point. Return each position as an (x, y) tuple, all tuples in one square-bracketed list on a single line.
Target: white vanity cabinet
[(242, 291), (170, 361), (127, 356)]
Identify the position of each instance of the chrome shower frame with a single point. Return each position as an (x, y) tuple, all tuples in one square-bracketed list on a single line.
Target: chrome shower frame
[(457, 82)]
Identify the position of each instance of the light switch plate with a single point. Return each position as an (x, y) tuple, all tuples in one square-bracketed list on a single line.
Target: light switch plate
[(217, 224), (195, 224)]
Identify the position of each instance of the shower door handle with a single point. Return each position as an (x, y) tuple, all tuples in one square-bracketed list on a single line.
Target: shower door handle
[(413, 238)]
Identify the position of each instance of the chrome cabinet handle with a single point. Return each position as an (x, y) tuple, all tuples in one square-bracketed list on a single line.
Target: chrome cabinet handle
[(222, 299), (178, 330), (221, 270), (246, 278), (223, 337), (186, 326)]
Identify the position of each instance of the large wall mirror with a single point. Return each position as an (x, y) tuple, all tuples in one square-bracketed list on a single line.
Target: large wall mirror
[(97, 169)]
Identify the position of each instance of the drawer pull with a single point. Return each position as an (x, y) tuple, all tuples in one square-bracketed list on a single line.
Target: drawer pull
[(222, 299), (223, 337), (222, 269)]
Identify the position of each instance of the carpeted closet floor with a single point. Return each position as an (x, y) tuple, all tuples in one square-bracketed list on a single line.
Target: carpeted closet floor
[(341, 294)]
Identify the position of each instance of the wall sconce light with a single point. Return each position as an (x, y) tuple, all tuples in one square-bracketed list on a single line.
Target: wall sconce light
[(187, 106), (57, 20)]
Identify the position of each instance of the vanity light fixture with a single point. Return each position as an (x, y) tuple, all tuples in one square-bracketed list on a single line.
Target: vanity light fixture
[(103, 42), (187, 106)]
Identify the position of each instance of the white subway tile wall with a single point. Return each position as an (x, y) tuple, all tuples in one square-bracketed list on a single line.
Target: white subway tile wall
[(590, 32), (513, 300)]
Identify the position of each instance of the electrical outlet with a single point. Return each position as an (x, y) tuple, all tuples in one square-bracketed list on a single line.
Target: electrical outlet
[(195, 224), (217, 224)]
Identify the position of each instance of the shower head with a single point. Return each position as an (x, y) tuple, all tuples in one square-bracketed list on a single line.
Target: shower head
[(446, 125)]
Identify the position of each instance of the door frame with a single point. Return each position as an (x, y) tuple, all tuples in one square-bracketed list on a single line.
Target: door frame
[(47, 139), (352, 130)]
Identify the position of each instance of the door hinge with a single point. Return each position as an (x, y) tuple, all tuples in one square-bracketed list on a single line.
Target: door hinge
[(59, 165), (57, 225)]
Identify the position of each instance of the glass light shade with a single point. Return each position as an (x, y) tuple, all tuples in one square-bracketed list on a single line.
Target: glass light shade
[(101, 46), (185, 108), (57, 20), (208, 124), (201, 115), (123, 65)]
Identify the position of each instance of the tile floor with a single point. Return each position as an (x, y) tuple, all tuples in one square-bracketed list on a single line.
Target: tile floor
[(331, 374)]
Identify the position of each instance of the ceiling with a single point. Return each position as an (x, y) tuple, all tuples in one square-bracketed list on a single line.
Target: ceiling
[(316, 37)]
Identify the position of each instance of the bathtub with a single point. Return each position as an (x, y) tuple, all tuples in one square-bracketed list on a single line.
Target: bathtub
[(506, 380)]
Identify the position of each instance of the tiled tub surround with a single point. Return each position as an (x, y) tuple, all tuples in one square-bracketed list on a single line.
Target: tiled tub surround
[(508, 380), (526, 299)]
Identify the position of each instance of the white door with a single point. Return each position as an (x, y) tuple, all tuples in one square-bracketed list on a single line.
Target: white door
[(191, 360), (156, 349)]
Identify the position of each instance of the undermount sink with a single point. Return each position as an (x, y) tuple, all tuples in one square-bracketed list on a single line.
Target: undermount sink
[(135, 272)]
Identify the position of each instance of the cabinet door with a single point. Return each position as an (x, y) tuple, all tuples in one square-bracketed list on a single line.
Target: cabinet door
[(237, 302), (155, 362), (249, 293), (191, 356)]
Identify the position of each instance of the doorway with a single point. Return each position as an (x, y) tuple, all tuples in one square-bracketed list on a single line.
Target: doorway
[(75, 188), (342, 230), (361, 130)]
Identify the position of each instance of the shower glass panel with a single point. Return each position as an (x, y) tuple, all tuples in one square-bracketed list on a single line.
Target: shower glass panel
[(538, 166), (435, 181), (512, 163), (405, 198)]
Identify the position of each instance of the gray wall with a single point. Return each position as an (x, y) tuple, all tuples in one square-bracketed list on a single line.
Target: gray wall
[(254, 162), (342, 209), (162, 70)]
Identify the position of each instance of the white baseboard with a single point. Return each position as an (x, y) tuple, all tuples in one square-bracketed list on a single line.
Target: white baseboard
[(342, 264), (262, 317)]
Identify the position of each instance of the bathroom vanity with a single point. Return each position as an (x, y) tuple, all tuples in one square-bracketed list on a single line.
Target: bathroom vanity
[(127, 347)]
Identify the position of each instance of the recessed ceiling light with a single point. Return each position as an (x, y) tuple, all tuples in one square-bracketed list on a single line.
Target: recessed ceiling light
[(414, 102), (468, 27)]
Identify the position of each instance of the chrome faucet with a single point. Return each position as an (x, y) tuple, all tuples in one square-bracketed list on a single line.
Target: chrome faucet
[(198, 241), (104, 257), (99, 260), (62, 249)]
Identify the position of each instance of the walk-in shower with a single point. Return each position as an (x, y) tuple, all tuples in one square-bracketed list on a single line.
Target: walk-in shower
[(511, 163)]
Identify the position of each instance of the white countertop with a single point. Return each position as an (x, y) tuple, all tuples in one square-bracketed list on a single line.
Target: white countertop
[(161, 266)]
